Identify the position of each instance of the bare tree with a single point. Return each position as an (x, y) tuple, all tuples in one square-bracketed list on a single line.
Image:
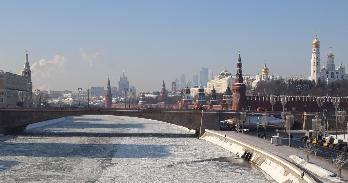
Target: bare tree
[(340, 160), (309, 148)]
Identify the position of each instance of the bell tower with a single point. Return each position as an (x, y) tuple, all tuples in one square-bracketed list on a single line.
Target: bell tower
[(315, 60)]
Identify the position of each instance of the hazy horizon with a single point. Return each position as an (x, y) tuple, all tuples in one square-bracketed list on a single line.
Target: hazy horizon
[(76, 44)]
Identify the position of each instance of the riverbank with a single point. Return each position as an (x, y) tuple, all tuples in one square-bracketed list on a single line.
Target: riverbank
[(273, 160)]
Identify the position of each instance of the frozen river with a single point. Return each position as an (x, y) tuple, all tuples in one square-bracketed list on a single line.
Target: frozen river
[(117, 149)]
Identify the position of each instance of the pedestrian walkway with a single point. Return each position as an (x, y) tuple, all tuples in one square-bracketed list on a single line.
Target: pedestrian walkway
[(282, 151)]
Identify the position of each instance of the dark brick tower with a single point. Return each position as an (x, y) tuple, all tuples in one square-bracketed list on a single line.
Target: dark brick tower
[(238, 88)]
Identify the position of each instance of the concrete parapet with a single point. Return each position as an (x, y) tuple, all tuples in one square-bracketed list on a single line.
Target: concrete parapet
[(277, 168)]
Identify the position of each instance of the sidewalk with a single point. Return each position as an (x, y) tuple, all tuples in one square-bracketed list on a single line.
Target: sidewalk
[(282, 151)]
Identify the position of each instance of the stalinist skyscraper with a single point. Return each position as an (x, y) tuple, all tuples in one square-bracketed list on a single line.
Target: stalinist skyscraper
[(315, 61)]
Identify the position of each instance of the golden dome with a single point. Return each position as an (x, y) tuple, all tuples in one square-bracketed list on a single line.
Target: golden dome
[(265, 70), (316, 42)]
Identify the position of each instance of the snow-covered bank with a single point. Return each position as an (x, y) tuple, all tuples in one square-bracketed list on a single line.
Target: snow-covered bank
[(277, 168), (45, 123), (315, 169)]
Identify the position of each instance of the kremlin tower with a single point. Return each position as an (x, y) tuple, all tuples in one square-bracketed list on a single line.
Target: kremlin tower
[(187, 98), (315, 61), (238, 88), (108, 96), (163, 93), (28, 100)]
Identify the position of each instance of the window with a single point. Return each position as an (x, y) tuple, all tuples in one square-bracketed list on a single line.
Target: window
[(332, 75), (1, 100)]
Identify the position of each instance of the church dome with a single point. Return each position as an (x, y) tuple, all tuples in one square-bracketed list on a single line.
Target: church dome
[(265, 70), (316, 42), (331, 54), (224, 74)]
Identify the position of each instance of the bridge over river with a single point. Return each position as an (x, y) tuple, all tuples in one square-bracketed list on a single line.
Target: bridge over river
[(108, 148)]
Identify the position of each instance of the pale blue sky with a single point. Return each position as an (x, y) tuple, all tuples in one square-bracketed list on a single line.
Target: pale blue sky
[(77, 43)]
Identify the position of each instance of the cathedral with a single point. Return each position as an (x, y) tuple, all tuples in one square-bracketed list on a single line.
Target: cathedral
[(329, 72)]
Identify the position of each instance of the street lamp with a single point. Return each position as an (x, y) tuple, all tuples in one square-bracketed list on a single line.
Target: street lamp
[(283, 101), (272, 100), (320, 102), (315, 126), (264, 123), (326, 124), (79, 95), (336, 103), (242, 119), (289, 121), (341, 118)]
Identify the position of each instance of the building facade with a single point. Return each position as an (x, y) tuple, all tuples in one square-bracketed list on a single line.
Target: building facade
[(203, 76), (332, 73), (123, 86), (16, 90), (220, 82), (262, 76), (327, 73), (97, 91)]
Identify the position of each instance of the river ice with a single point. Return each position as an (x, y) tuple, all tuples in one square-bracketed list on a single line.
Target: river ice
[(117, 149)]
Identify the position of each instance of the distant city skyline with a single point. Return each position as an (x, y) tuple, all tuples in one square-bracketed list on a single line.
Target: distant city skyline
[(77, 44)]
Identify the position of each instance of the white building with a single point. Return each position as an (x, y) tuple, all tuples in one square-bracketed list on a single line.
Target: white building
[(329, 72), (262, 76), (16, 90), (220, 82)]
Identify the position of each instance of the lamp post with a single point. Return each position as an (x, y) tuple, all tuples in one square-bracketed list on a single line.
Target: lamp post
[(79, 95), (289, 121), (272, 100), (336, 104), (341, 118), (88, 98), (320, 102), (242, 119), (315, 126), (264, 123), (283, 101), (326, 124)]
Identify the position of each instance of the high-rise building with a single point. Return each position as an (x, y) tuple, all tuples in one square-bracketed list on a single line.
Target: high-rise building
[(203, 76), (183, 81), (97, 91), (123, 86), (315, 60), (195, 80), (108, 96), (114, 91), (178, 87), (174, 86)]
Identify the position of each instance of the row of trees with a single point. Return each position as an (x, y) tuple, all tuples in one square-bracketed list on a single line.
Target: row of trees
[(301, 87)]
